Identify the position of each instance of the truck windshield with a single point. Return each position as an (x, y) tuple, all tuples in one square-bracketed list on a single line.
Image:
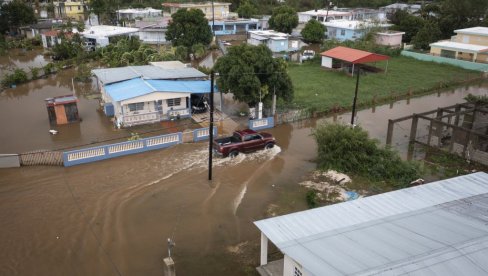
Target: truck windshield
[(235, 138)]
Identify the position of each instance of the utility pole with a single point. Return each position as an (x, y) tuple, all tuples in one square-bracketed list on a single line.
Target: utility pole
[(355, 97), (210, 130), (213, 20)]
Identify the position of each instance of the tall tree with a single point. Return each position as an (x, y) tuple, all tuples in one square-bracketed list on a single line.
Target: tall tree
[(313, 32), (283, 19), (458, 14), (98, 7), (251, 72), (429, 33), (15, 14), (410, 25), (246, 10), (189, 27)]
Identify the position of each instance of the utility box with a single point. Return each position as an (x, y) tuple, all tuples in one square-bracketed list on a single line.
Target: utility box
[(62, 110)]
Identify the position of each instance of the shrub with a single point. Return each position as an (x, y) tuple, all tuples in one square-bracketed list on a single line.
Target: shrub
[(49, 68), (350, 150), (19, 76), (311, 199), (181, 53), (35, 72)]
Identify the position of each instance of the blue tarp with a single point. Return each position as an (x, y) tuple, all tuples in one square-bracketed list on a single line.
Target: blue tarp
[(138, 87)]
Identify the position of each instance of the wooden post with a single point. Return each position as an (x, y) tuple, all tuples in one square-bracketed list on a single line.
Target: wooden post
[(389, 133), (413, 129), (439, 127)]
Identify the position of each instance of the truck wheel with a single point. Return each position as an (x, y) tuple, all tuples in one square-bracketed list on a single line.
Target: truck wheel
[(233, 153), (269, 146)]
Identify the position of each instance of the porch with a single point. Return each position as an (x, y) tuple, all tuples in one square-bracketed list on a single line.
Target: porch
[(273, 268), (140, 118)]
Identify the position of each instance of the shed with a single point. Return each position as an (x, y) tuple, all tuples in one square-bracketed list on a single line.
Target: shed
[(63, 109), (348, 56), (433, 229)]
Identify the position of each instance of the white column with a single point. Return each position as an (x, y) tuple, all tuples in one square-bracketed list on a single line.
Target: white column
[(264, 249), (475, 56)]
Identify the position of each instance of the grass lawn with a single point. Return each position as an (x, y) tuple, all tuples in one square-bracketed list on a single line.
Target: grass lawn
[(321, 90)]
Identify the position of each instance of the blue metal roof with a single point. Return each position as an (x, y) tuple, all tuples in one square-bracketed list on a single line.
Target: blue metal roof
[(138, 87)]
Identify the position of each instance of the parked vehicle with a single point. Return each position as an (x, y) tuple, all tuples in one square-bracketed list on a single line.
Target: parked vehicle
[(198, 103), (308, 54), (243, 141)]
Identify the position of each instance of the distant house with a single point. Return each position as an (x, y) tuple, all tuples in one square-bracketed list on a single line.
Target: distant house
[(153, 30), (219, 11), (469, 44), (323, 15), (389, 38), (132, 14), (51, 38), (234, 26), (70, 9), (137, 95), (275, 41), (350, 29), (393, 8), (433, 229), (30, 31), (100, 35)]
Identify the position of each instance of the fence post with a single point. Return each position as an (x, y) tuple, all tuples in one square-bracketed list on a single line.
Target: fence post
[(389, 133), (413, 129)]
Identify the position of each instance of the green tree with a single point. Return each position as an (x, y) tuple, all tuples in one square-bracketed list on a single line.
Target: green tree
[(410, 25), (188, 27), (98, 7), (283, 19), (429, 33), (458, 14), (313, 32), (14, 15), (246, 10), (247, 70)]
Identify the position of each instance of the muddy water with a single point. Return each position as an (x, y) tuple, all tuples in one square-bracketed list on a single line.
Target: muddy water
[(114, 217), (18, 58)]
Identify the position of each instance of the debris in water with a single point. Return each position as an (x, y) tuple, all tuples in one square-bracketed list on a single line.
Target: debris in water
[(53, 132)]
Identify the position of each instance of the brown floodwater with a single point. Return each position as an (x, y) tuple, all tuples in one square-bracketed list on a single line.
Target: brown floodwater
[(22, 59), (113, 217)]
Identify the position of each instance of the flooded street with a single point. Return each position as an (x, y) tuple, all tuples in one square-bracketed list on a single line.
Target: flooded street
[(114, 217), (18, 58)]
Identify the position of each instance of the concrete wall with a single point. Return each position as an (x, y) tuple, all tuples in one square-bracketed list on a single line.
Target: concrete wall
[(289, 267), (326, 62), (471, 39), (9, 161)]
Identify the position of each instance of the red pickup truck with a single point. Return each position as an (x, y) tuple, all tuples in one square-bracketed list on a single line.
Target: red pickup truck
[(243, 141)]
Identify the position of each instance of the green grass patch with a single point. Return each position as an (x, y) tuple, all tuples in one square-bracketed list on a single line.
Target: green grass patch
[(323, 90)]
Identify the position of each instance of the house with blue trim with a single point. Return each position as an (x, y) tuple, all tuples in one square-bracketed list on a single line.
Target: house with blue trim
[(235, 26), (351, 29), (136, 95)]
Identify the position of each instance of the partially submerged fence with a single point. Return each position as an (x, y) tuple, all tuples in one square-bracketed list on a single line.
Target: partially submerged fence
[(261, 123), (41, 158), (461, 129)]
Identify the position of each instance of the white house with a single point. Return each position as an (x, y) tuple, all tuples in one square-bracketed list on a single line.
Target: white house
[(350, 29), (433, 229), (389, 38), (323, 15), (276, 41), (153, 30), (137, 95), (131, 14), (100, 35)]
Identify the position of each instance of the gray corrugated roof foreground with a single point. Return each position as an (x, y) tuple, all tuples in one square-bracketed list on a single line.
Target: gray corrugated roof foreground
[(111, 75), (438, 228)]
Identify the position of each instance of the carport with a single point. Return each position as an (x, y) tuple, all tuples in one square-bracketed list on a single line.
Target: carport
[(350, 56)]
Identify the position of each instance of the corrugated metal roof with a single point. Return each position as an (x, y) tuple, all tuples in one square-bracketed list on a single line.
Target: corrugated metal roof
[(111, 75), (434, 229), (353, 55), (138, 87)]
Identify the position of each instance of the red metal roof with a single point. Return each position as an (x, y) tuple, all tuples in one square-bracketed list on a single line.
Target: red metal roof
[(353, 55)]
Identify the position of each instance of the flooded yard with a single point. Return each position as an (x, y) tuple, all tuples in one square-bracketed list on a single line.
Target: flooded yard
[(114, 217)]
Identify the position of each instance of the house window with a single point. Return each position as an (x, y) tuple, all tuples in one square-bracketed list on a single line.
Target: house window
[(343, 32), (79, 7), (69, 8), (173, 102), (297, 272), (136, 107)]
